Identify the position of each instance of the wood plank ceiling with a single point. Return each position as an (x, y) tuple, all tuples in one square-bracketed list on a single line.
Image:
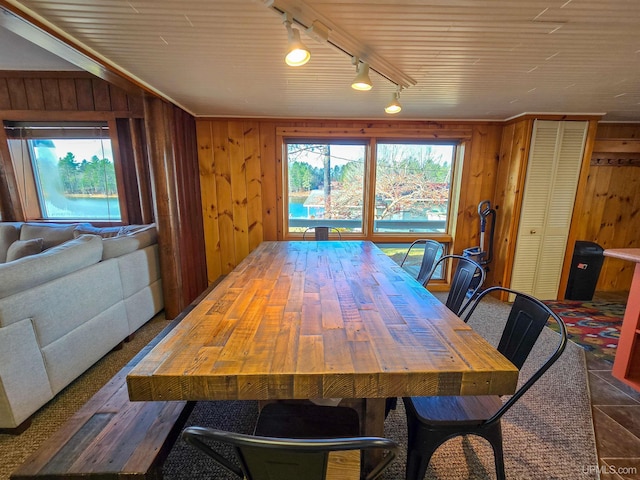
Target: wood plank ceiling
[(469, 59)]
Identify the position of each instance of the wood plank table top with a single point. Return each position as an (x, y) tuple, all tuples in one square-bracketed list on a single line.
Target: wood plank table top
[(300, 320)]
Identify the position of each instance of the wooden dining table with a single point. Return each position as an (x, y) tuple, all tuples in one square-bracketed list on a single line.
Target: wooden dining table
[(320, 320)]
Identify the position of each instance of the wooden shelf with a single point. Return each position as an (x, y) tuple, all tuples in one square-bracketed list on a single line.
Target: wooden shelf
[(617, 152)]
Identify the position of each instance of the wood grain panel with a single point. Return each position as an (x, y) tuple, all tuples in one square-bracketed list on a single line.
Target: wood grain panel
[(253, 176), (51, 92), (35, 98), (84, 94), (101, 97), (118, 98), (177, 199), (478, 173), (5, 98), (512, 169), (194, 276), (269, 172), (238, 173), (209, 200), (224, 196), (68, 98), (17, 94)]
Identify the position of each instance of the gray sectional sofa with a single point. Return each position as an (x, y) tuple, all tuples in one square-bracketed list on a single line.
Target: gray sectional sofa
[(68, 295)]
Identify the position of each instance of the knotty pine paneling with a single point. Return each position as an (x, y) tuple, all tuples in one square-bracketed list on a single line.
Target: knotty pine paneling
[(510, 176), (610, 214), (240, 165)]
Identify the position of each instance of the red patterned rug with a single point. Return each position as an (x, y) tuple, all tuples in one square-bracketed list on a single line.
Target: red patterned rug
[(595, 326)]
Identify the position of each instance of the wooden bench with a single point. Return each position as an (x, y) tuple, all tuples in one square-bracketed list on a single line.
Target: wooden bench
[(111, 437)]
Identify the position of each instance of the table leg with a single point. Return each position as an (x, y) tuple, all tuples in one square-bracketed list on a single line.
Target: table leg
[(371, 413)]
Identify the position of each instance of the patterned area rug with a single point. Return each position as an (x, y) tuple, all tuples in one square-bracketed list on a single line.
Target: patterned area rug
[(594, 325)]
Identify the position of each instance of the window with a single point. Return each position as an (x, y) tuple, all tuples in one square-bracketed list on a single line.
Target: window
[(412, 187), (326, 185), (387, 191), (67, 169)]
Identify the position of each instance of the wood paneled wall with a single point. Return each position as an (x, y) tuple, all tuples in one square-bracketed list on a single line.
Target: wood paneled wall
[(514, 151), (64, 91), (610, 215), (176, 195), (241, 189)]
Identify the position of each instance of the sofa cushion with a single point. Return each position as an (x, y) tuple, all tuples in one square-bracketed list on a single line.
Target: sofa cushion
[(29, 272), (9, 233), (104, 232), (24, 248), (52, 234), (130, 242)]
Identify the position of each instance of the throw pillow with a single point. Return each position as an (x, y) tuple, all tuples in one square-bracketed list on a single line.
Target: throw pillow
[(104, 232), (24, 248), (52, 234)]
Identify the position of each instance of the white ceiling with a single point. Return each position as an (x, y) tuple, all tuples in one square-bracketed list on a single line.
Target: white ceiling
[(470, 59)]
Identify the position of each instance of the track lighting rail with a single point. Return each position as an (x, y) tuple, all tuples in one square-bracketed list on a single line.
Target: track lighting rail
[(316, 26)]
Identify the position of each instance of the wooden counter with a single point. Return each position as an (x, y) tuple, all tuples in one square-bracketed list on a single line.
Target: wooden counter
[(626, 366)]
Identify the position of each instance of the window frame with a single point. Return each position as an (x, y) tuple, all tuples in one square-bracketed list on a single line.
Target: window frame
[(372, 136), (22, 163)]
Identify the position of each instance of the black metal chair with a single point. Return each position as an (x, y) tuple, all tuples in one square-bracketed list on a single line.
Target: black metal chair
[(433, 250), (268, 457), (433, 420), (321, 233), (467, 279)]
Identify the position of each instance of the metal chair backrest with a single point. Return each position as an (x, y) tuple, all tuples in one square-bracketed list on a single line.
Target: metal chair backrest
[(527, 318), (467, 279), (266, 458), (433, 250), (321, 233)]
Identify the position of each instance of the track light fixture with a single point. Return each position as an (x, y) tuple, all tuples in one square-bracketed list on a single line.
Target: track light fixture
[(297, 53), (362, 80), (317, 27), (394, 106)]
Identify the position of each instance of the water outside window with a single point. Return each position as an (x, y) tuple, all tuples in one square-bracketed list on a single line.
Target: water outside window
[(75, 178), (326, 186)]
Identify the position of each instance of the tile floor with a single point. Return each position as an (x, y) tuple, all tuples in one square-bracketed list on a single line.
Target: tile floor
[(616, 418)]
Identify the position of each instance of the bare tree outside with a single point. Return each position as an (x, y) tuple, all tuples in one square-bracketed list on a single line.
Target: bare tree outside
[(412, 182), (412, 185)]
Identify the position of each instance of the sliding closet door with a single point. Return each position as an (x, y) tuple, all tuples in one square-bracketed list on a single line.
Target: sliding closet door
[(553, 169)]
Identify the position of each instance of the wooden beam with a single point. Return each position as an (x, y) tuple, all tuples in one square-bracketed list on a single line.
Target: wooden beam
[(617, 145)]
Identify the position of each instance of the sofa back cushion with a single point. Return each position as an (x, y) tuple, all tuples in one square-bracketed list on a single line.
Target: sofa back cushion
[(136, 239), (29, 272), (9, 233), (104, 232), (24, 248), (52, 234)]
